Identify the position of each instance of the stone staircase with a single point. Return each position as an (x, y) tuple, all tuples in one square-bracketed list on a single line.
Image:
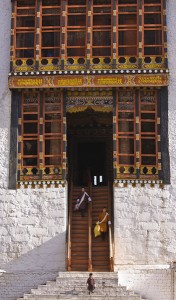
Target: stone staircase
[(72, 285)]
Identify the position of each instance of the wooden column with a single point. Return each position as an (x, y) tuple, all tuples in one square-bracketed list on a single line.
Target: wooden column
[(114, 133), (89, 34), (14, 159), (140, 35), (159, 134), (163, 98), (12, 49), (114, 35), (63, 33), (41, 129), (137, 133), (64, 134), (165, 35), (20, 150), (38, 34)]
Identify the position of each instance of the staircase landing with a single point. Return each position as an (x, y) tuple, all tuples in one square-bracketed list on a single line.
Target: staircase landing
[(72, 285)]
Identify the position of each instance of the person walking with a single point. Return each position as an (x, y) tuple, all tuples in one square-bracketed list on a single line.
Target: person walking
[(82, 202), (91, 283), (104, 221)]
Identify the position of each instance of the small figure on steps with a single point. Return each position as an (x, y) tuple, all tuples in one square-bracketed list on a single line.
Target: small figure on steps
[(91, 283)]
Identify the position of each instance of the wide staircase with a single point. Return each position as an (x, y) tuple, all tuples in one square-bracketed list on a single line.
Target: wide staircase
[(85, 252), (72, 285)]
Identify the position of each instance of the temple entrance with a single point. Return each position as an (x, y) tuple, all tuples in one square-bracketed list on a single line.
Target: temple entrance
[(90, 164), (89, 136)]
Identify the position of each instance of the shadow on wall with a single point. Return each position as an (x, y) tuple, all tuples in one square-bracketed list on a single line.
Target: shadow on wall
[(48, 256), (33, 268)]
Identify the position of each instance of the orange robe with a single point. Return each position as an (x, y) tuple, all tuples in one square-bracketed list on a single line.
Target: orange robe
[(104, 224)]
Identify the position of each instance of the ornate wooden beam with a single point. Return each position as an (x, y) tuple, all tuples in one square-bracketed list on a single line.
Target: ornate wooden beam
[(113, 80)]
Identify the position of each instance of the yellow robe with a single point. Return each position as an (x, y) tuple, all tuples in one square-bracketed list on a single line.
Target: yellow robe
[(104, 225)]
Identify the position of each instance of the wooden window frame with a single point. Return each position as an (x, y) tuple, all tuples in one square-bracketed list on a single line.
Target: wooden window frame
[(30, 136), (149, 135), (101, 28), (41, 170), (52, 136), (152, 27), (71, 28), (127, 27), (23, 30), (53, 29), (125, 135), (139, 170)]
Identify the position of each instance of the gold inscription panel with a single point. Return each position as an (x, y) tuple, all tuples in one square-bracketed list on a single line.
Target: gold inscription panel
[(88, 80)]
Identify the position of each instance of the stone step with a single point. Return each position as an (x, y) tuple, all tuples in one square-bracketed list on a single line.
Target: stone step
[(72, 285), (72, 297), (99, 285), (112, 292), (86, 274), (92, 297)]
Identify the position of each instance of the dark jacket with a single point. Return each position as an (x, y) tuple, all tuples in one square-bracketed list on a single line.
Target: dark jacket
[(91, 283), (84, 203)]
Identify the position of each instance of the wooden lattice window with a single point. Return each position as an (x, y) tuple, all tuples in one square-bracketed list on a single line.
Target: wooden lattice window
[(137, 134), (76, 30), (126, 130), (101, 28), (152, 25), (52, 130), (25, 27), (30, 129), (148, 131), (41, 128), (127, 28), (80, 29), (50, 29)]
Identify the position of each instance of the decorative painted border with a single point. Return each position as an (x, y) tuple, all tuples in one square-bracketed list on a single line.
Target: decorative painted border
[(40, 184), (88, 81), (138, 183)]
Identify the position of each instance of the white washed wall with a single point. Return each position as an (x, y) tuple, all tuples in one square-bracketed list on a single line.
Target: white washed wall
[(151, 282), (33, 222)]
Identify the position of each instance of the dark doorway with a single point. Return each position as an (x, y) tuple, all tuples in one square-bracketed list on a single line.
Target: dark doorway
[(90, 148), (91, 163)]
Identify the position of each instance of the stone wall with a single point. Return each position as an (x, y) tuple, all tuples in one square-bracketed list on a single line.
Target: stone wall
[(149, 281), (33, 222), (144, 225), (33, 236), (145, 239)]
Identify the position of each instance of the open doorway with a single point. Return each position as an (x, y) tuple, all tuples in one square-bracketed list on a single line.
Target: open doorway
[(91, 163), (90, 149)]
